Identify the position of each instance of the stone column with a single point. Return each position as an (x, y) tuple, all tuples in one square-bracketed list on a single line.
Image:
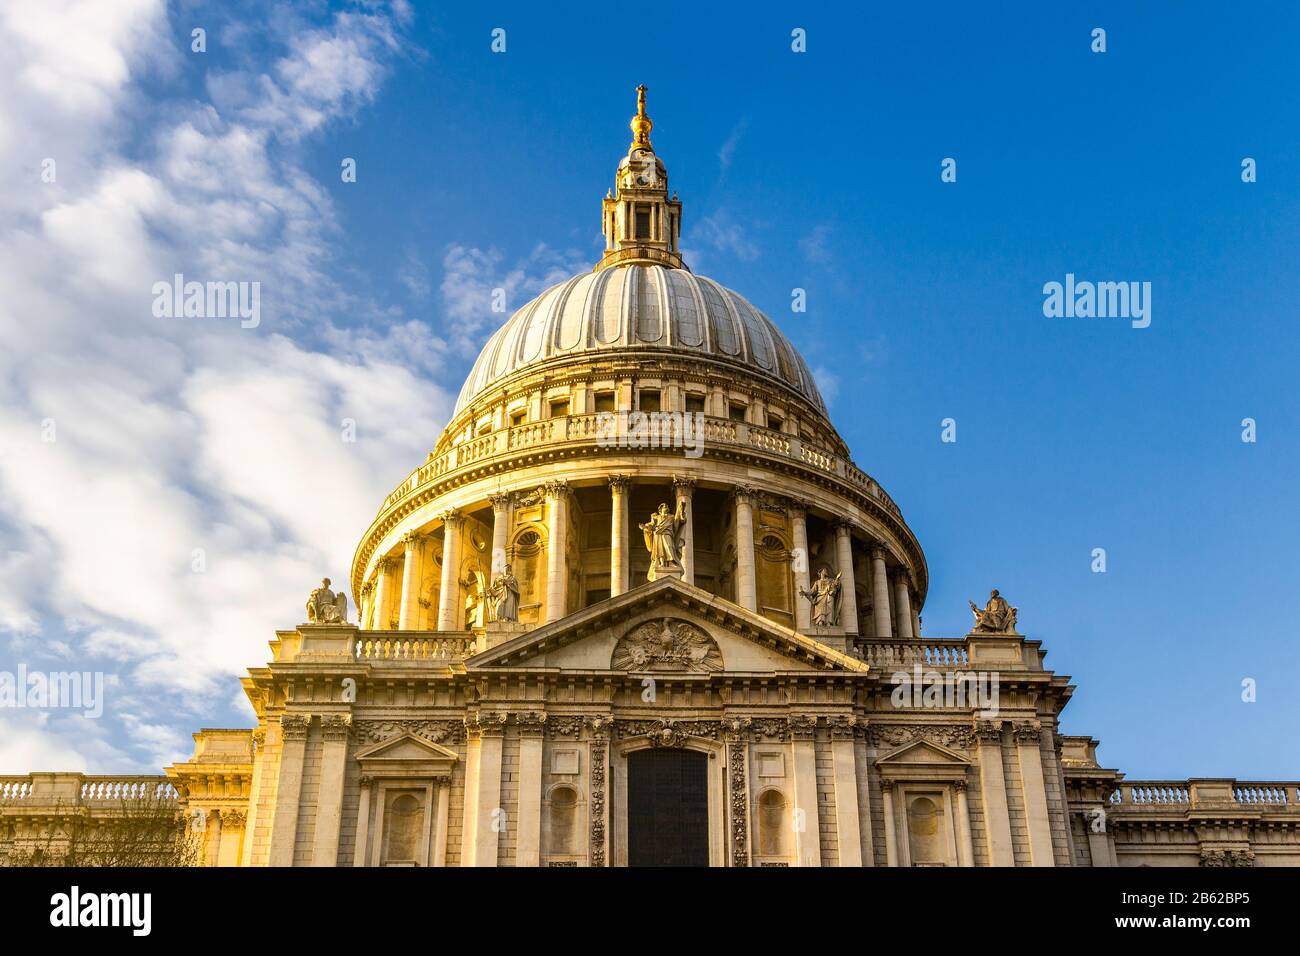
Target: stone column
[(500, 531), (329, 803), (233, 823), (802, 574), (483, 792), (528, 842), (684, 489), (1098, 843), (903, 605), (360, 857), (1037, 821), (449, 588), (891, 834), (848, 593), (746, 585), (916, 621), (557, 535), (880, 593), (993, 793), (412, 576), (807, 829), (293, 750), (965, 846), (385, 589), (254, 795), (847, 818), (619, 558), (366, 604), (443, 785), (211, 837)]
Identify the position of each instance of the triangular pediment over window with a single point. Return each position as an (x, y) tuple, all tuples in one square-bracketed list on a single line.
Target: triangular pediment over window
[(666, 628), (406, 755)]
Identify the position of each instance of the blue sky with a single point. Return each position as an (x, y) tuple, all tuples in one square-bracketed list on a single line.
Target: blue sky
[(818, 170)]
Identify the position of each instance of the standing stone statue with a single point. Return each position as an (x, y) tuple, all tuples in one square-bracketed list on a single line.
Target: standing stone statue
[(475, 598), (825, 598), (997, 617), (326, 607), (505, 596), (661, 541)]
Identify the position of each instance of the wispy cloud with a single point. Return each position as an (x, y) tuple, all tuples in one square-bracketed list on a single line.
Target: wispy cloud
[(727, 152), (169, 488)]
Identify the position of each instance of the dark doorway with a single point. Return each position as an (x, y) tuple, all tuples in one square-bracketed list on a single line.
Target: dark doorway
[(668, 808)]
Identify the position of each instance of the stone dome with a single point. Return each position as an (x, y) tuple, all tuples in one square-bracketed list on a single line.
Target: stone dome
[(636, 310)]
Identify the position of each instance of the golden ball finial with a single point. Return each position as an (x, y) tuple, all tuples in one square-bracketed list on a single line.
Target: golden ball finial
[(641, 124)]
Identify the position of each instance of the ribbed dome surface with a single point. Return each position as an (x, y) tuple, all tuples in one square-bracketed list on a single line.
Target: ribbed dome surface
[(636, 308)]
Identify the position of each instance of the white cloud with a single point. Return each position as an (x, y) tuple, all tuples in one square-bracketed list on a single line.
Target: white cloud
[(179, 434)]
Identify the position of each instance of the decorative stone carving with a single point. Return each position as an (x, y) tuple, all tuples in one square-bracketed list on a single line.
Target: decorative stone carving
[(294, 726), (336, 726), (326, 607), (662, 542), (842, 726), (232, 819), (667, 645), (739, 804), (530, 723), (486, 723), (669, 733), (504, 593), (620, 483), (434, 731), (824, 596), (997, 616), (988, 731), (802, 726), (954, 736), (564, 726), (1027, 731), (1228, 858)]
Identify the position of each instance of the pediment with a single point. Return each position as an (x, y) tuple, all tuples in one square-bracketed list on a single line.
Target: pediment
[(668, 628), (921, 753), (405, 749)]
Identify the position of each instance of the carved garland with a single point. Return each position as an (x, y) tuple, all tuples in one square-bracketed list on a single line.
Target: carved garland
[(599, 727), (434, 731)]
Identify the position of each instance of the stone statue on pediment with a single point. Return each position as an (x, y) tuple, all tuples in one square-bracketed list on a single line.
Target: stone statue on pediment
[(996, 617), (326, 607), (505, 596), (661, 541)]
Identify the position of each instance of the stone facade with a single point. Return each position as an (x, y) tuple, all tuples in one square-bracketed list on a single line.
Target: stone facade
[(460, 724)]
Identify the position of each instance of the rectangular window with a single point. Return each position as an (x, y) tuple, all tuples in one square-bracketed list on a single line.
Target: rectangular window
[(775, 422), (518, 418), (560, 408), (736, 411), (649, 400), (604, 401), (642, 223), (694, 402)]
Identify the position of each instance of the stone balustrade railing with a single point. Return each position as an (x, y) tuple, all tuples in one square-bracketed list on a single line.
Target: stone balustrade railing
[(77, 789), (398, 648), (1208, 793), (587, 429), (937, 653)]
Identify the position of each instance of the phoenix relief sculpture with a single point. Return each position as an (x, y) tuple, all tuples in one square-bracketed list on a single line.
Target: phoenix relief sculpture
[(667, 645)]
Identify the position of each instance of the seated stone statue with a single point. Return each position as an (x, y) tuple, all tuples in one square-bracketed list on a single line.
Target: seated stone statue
[(326, 607), (997, 617)]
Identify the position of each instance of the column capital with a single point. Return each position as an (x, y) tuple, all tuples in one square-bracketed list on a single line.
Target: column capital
[(413, 539), (1027, 731), (451, 518), (798, 507), (557, 489), (619, 484), (959, 786), (879, 552), (843, 527), (294, 726), (988, 731), (336, 726), (501, 500), (388, 563), (684, 483), (744, 493), (887, 784)]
